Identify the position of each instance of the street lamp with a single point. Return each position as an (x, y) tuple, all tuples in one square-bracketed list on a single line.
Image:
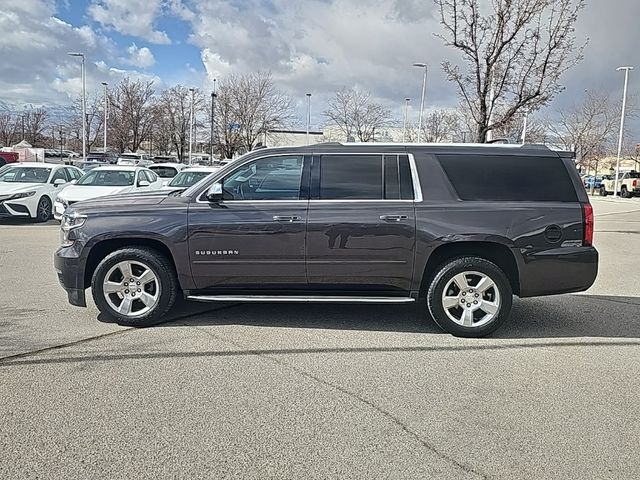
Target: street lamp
[(404, 120), (524, 127), (106, 114), (308, 115), (213, 112), (84, 104), (192, 90), (424, 88), (624, 108)]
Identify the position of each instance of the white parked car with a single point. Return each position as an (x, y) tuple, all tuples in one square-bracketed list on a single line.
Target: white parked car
[(103, 181), (166, 171), (189, 176), (28, 189), (134, 159)]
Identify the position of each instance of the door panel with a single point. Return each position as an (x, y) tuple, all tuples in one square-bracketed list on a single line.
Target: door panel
[(349, 245), (255, 238), (239, 244)]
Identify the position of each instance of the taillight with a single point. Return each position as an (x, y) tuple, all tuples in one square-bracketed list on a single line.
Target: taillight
[(635, 183), (587, 210)]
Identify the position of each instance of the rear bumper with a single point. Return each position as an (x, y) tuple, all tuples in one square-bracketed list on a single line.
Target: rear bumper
[(70, 271), (558, 271)]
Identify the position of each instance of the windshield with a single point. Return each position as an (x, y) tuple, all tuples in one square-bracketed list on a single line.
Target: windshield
[(108, 178), (25, 175), (186, 179)]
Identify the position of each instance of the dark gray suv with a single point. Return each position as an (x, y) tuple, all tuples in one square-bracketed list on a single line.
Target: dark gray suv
[(459, 227)]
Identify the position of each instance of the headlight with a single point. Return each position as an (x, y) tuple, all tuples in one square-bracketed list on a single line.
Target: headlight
[(69, 223), (62, 201), (22, 195)]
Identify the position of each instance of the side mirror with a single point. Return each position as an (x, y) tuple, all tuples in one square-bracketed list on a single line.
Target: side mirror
[(59, 181), (143, 183), (214, 194)]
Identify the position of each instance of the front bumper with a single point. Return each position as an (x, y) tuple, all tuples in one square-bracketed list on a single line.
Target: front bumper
[(70, 271), (13, 208), (558, 271)]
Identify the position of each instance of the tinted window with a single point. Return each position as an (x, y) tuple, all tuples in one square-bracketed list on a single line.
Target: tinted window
[(271, 178), (351, 177), (164, 172), (406, 182), (108, 178), (509, 178), (391, 177)]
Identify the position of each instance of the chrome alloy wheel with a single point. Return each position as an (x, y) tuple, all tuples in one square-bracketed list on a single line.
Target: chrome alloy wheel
[(471, 299), (131, 288)]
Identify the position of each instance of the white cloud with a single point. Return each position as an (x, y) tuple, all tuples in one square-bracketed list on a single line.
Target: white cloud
[(130, 17), (139, 57), (36, 68)]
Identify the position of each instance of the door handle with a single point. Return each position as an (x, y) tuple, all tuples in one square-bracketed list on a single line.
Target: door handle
[(393, 218), (286, 218)]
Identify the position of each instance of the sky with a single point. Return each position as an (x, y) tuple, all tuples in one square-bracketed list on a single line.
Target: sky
[(315, 46)]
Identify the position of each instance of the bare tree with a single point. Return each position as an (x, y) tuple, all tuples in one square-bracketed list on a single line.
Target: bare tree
[(441, 125), (35, 123), (130, 116), (8, 129), (95, 121), (356, 114), (257, 105), (171, 116), (519, 50), (228, 139), (512, 131), (589, 127)]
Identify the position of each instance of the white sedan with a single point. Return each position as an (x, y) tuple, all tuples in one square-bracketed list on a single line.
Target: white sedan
[(103, 181), (189, 176), (27, 190)]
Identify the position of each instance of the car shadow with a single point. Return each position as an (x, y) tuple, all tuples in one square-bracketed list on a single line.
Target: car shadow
[(591, 321), (26, 222), (565, 316)]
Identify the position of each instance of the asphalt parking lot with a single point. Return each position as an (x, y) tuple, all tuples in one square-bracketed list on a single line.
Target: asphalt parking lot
[(290, 391)]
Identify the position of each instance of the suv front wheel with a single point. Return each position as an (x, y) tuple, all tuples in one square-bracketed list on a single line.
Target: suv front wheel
[(469, 297), (135, 286)]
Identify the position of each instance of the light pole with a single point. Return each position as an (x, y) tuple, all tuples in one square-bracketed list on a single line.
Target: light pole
[(84, 104), (106, 114), (308, 115), (624, 108), (424, 89), (213, 112), (404, 120), (524, 127), (192, 90)]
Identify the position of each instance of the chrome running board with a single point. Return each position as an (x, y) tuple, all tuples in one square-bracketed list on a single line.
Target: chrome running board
[(298, 299)]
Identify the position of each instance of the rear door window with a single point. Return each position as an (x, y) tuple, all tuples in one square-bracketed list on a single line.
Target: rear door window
[(509, 178), (351, 177)]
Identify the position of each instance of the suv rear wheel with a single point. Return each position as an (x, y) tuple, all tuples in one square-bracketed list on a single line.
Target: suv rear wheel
[(624, 193), (469, 297), (135, 286)]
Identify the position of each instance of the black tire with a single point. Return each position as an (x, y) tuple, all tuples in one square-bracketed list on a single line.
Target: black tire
[(624, 193), (469, 264), (603, 191), (164, 273), (43, 211)]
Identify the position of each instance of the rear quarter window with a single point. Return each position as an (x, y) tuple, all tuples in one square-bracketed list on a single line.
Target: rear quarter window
[(509, 178)]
